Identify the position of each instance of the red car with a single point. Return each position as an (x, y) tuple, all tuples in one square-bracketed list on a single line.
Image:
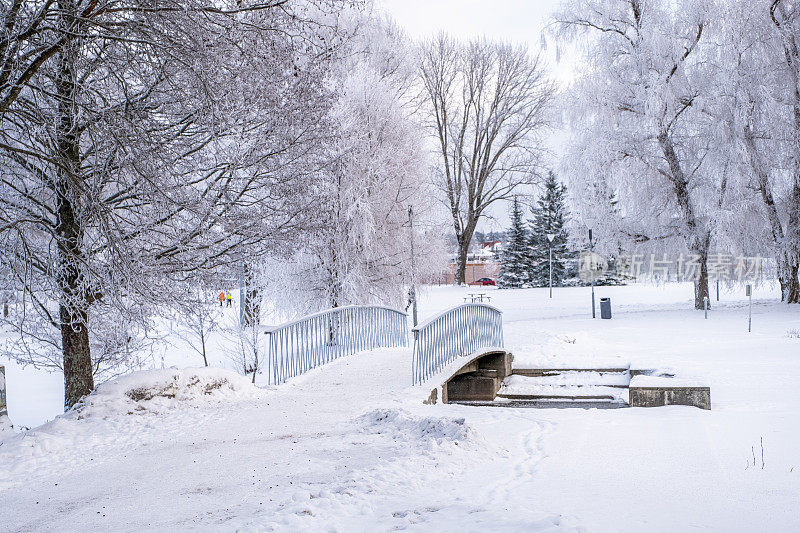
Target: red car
[(484, 282)]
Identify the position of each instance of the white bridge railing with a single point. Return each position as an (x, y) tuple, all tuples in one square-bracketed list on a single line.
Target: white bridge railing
[(453, 333), (298, 346)]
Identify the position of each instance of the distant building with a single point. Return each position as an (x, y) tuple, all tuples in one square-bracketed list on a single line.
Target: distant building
[(482, 262)]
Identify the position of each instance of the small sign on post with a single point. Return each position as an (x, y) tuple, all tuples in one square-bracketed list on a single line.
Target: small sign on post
[(3, 409)]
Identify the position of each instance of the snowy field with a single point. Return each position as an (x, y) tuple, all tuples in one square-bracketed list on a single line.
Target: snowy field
[(351, 447)]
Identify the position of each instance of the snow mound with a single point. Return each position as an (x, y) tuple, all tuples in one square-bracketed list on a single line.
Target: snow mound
[(159, 390), (401, 425), (6, 427)]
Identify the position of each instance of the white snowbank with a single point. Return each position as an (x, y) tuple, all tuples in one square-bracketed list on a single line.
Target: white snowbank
[(402, 425), (100, 425), (157, 390), (6, 427), (658, 381), (578, 350)]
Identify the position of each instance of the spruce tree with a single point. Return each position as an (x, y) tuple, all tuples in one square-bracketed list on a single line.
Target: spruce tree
[(514, 263), (549, 217)]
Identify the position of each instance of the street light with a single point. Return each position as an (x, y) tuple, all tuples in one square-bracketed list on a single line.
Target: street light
[(550, 237), (589, 224)]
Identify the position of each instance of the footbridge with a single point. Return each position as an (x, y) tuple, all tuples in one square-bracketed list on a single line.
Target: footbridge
[(461, 353)]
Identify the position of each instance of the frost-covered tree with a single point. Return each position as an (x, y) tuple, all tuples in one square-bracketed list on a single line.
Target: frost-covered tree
[(550, 215), (759, 67), (33, 32), (488, 107), (641, 128), (359, 251), (515, 256), (138, 156)]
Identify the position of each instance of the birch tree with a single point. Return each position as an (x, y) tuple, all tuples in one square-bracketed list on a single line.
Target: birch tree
[(643, 135), (488, 107), (762, 41)]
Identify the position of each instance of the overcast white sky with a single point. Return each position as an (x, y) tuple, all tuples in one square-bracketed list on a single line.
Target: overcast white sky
[(518, 21), (508, 20)]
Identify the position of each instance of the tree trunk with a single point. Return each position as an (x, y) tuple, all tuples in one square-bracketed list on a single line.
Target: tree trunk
[(790, 292), (791, 295), (787, 266), (464, 238), (461, 265), (701, 293), (251, 315), (697, 238), (790, 286), (78, 372), (75, 295), (256, 361), (203, 345)]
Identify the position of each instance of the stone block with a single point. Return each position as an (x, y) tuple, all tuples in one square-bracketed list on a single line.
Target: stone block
[(669, 395)]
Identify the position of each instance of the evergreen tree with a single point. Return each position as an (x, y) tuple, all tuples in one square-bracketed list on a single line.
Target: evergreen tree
[(549, 217), (514, 263)]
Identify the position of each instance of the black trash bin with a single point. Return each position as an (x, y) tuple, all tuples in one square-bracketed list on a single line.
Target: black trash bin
[(605, 307)]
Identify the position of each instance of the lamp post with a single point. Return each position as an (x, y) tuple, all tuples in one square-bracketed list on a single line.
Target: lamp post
[(550, 237), (589, 224)]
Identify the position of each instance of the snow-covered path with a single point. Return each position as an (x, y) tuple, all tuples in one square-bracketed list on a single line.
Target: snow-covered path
[(310, 455)]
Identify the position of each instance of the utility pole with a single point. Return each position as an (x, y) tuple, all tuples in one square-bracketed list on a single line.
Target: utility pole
[(592, 268), (413, 269), (242, 292), (749, 292), (550, 237)]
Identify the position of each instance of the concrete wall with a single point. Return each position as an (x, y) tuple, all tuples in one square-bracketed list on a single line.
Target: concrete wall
[(660, 396)]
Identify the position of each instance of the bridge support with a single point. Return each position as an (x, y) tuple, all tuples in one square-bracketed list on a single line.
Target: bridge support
[(479, 379)]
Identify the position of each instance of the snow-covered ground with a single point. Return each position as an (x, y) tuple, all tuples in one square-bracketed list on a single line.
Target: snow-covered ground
[(351, 447)]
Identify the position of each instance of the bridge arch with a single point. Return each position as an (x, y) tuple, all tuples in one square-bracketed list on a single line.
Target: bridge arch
[(454, 333), (479, 378)]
